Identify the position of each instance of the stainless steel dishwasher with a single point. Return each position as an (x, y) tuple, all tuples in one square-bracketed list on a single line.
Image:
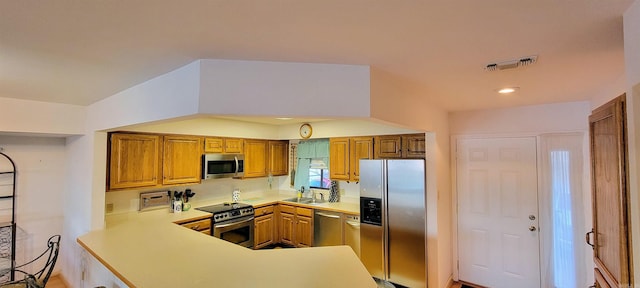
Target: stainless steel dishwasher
[(327, 228), (352, 232)]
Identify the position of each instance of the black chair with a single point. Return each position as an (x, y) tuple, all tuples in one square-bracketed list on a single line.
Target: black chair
[(39, 278)]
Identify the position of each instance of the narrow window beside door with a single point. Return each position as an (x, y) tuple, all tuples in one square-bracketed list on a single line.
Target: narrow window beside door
[(563, 246), (563, 211)]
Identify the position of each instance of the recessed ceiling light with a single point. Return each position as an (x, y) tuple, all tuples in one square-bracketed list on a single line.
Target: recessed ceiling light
[(508, 90), (284, 118)]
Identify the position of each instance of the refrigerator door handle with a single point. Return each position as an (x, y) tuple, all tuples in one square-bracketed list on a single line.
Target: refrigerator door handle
[(385, 219)]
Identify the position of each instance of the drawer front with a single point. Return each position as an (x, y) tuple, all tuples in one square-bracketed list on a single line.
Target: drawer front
[(264, 210), (200, 225), (304, 211), (287, 209)]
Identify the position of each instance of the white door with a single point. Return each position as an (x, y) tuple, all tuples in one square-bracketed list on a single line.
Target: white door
[(498, 241)]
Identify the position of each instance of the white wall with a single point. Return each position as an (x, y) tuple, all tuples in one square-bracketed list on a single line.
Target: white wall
[(631, 42), (33, 117), (396, 100), (230, 87), (40, 176), (632, 66), (561, 117), (172, 95), (207, 126), (528, 121), (344, 128)]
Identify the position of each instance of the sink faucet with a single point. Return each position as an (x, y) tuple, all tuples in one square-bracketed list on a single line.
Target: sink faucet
[(313, 196)]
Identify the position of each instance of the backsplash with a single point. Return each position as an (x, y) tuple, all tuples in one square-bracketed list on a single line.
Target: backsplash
[(220, 190), (208, 190)]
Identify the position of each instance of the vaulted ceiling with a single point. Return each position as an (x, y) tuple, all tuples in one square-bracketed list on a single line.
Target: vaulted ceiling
[(78, 52)]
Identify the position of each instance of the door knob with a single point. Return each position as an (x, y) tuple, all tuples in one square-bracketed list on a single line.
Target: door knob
[(532, 217), (532, 228)]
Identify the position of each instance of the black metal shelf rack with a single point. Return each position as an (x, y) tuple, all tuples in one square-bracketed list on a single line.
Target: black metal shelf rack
[(8, 222)]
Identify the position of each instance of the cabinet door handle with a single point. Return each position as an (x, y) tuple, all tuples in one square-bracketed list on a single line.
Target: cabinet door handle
[(588, 239)]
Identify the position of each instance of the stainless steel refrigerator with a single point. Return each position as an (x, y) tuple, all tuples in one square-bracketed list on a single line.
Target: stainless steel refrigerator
[(393, 220)]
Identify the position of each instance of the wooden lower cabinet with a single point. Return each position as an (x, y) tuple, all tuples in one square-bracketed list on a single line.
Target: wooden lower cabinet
[(295, 226), (200, 225), (264, 227), (286, 226), (304, 231)]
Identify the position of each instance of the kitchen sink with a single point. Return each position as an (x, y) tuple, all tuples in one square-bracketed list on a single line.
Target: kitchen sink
[(298, 200), (305, 200)]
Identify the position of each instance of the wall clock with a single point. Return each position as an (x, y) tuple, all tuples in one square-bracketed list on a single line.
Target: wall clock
[(306, 130)]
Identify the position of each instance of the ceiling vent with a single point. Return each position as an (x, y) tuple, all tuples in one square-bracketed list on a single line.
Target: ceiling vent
[(511, 64)]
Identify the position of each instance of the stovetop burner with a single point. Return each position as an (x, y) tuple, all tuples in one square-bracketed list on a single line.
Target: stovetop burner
[(228, 211), (223, 207)]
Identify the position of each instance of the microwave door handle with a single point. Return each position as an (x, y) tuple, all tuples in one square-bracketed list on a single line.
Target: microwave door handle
[(237, 168)]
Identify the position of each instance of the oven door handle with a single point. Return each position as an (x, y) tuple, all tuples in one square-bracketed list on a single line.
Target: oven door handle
[(232, 224)]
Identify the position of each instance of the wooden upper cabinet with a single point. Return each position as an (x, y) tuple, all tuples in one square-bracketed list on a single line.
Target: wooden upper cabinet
[(181, 159), (279, 158), (414, 146), (213, 145), (223, 145), (261, 156), (134, 160), (339, 158), (359, 148), (388, 146), (345, 154), (610, 195), (256, 158), (400, 146)]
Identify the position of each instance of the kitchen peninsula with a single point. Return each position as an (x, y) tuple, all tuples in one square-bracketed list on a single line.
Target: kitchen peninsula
[(148, 249)]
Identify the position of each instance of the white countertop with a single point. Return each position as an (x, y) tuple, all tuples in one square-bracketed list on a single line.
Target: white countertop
[(147, 249)]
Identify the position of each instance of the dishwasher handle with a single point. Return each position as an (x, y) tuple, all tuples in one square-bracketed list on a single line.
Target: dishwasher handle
[(328, 215), (353, 224)]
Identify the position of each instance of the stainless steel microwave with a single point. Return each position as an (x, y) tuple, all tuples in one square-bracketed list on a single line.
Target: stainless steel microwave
[(222, 166)]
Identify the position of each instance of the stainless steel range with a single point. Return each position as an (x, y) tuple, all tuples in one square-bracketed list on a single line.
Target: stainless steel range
[(232, 222)]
